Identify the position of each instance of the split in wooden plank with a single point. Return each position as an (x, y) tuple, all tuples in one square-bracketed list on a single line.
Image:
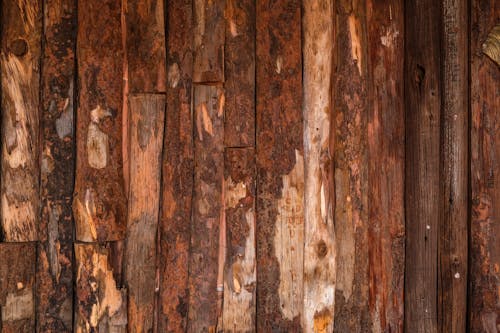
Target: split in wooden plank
[(20, 58), (100, 203)]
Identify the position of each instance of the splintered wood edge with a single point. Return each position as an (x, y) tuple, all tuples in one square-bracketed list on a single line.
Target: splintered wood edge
[(491, 46)]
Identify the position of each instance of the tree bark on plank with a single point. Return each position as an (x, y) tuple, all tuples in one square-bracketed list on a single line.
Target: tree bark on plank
[(55, 250), (280, 166), (20, 57)]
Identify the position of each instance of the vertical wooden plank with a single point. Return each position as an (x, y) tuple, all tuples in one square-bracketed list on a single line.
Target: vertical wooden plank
[(146, 139), (17, 287), (240, 266), (208, 41), (146, 46), (280, 166), (177, 172), (21, 28), (55, 250), (386, 230), (453, 240), (207, 205), (100, 304), (485, 171), (319, 233), (422, 111), (99, 204), (239, 72)]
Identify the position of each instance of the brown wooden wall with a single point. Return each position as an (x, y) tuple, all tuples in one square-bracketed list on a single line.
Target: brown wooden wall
[(250, 165)]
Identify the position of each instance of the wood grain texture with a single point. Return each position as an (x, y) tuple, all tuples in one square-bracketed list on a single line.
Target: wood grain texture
[(100, 205), (280, 166), (239, 72), (147, 112), (485, 173), (146, 58), (386, 151), (208, 41), (422, 193), (17, 287), (20, 58), (55, 250)]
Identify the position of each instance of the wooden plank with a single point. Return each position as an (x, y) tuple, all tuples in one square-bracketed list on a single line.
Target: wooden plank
[(454, 154), (146, 58), (240, 265), (208, 41), (147, 113), (99, 204), (20, 56), (319, 233), (207, 207), (485, 172), (239, 72), (55, 250), (101, 303), (422, 111), (17, 281), (386, 150), (280, 166), (177, 172)]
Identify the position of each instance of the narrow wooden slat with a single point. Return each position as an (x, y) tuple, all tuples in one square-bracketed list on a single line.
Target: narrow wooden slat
[(207, 203), (280, 166), (208, 41), (386, 149), (319, 233), (20, 55), (55, 250), (422, 112), (485, 172), (99, 204), (239, 72), (240, 265)]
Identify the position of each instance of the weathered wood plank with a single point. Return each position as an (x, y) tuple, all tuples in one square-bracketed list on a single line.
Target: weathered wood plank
[(99, 204), (280, 166), (454, 154), (146, 116), (422, 111), (55, 250), (240, 265), (239, 72), (386, 151), (208, 41), (319, 234), (17, 287), (20, 57), (207, 207), (101, 303), (146, 58), (485, 172)]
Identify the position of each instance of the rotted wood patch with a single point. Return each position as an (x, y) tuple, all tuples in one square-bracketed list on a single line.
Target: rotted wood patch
[(99, 206), (20, 55), (17, 281)]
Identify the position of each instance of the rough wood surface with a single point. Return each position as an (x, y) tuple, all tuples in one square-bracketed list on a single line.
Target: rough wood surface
[(55, 250), (145, 22), (17, 287), (207, 206), (20, 55), (208, 41), (239, 72), (280, 166), (240, 265), (386, 166), (485, 173), (99, 204), (100, 304), (422, 193)]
